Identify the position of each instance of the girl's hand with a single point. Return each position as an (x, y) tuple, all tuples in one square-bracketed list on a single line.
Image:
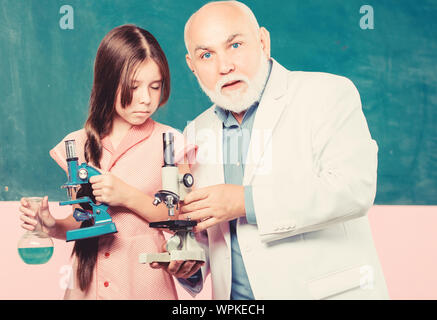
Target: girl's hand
[(30, 217), (109, 189)]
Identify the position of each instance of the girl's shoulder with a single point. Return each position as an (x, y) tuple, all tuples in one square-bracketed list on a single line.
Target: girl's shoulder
[(78, 135), (58, 152)]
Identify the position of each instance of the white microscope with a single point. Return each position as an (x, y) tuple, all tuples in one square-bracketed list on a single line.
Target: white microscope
[(183, 244)]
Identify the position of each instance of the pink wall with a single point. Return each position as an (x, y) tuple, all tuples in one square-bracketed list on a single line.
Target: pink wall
[(406, 241), (405, 238)]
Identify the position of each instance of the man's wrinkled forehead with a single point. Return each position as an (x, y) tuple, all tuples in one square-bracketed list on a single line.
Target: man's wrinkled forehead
[(214, 24)]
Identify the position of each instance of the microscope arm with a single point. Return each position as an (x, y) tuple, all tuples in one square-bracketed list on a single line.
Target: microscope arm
[(76, 201)]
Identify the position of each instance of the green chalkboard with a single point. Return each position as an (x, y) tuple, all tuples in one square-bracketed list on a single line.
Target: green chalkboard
[(46, 77)]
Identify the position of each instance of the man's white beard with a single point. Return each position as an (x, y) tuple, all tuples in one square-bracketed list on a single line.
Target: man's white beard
[(238, 101)]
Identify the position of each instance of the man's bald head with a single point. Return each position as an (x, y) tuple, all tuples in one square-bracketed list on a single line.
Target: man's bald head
[(217, 9)]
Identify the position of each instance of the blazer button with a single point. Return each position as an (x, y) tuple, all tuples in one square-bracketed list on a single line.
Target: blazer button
[(107, 254), (106, 284)]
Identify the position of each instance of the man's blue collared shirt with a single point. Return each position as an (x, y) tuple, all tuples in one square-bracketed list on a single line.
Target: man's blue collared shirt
[(236, 139)]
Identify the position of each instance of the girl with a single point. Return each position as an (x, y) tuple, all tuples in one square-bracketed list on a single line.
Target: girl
[(131, 80)]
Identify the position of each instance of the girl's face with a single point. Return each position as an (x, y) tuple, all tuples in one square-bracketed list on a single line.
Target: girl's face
[(146, 94)]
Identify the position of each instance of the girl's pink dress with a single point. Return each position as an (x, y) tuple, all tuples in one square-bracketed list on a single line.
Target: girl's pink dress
[(137, 161)]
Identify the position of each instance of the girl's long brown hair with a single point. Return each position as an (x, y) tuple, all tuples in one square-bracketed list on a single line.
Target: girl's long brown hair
[(120, 53)]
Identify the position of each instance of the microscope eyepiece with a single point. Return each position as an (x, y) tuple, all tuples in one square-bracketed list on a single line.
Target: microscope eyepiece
[(168, 142), (70, 149)]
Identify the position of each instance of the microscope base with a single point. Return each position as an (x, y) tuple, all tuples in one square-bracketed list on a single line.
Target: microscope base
[(181, 255), (90, 232)]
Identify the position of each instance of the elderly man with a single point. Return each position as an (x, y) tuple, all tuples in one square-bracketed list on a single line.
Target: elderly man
[(285, 172)]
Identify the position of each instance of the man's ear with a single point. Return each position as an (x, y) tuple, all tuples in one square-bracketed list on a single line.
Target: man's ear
[(265, 40), (189, 64)]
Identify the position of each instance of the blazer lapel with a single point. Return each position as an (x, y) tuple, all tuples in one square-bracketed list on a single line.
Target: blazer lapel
[(209, 138), (269, 111), (219, 177)]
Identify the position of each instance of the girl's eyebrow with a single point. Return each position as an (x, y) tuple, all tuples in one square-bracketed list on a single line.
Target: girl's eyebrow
[(139, 81)]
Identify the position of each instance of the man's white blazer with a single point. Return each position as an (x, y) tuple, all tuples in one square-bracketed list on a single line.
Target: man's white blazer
[(312, 165)]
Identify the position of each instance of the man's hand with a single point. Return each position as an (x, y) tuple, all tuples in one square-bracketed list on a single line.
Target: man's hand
[(109, 189), (214, 204)]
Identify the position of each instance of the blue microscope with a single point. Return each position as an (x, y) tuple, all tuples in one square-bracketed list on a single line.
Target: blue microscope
[(78, 175)]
